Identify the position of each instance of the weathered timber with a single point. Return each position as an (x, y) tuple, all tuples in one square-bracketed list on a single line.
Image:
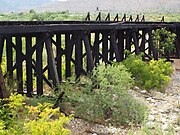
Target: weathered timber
[(39, 64), (29, 73), (19, 59), (73, 46), (3, 92)]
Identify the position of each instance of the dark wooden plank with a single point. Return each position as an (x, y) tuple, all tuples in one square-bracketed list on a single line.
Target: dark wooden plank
[(9, 55), (115, 47), (96, 48), (3, 92), (19, 59), (88, 52), (121, 44), (51, 59), (58, 53), (78, 55), (143, 41), (105, 47), (39, 65), (29, 78), (1, 47), (128, 40), (111, 48), (68, 55), (178, 41), (151, 45), (135, 42)]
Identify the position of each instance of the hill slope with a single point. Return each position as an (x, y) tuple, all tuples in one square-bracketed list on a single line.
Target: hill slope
[(123, 6)]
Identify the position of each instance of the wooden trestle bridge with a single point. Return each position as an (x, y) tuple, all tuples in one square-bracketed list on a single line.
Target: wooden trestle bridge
[(43, 50)]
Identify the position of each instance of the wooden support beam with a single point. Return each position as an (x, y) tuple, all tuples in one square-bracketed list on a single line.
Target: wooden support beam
[(9, 55), (114, 44), (128, 40), (69, 44), (29, 79), (135, 42), (59, 52), (151, 45), (78, 55), (121, 44), (52, 63), (39, 64), (105, 47), (178, 41), (88, 52), (143, 41), (96, 48), (1, 47), (3, 92), (19, 59), (111, 47)]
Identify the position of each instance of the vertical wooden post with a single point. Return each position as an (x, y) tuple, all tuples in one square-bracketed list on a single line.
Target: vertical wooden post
[(142, 46), (128, 42), (105, 47), (135, 42), (9, 55), (29, 80), (121, 44), (96, 48), (151, 45), (52, 64), (88, 52), (178, 40), (78, 55), (1, 47), (3, 92), (39, 64), (19, 63), (69, 43), (111, 49), (115, 47), (59, 56)]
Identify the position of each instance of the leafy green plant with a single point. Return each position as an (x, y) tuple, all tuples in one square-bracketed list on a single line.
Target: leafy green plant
[(17, 117), (104, 98), (164, 41), (154, 74)]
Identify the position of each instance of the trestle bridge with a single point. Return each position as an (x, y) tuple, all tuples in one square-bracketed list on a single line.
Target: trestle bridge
[(48, 52)]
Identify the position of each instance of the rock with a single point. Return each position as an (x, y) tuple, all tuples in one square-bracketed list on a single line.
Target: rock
[(165, 126), (150, 124), (149, 98), (143, 91), (136, 88), (163, 120), (151, 117)]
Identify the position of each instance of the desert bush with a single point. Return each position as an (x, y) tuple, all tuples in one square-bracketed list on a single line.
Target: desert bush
[(104, 97), (17, 117), (154, 74)]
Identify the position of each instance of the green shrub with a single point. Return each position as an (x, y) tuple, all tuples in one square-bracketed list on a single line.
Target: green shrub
[(104, 97), (18, 118), (154, 74), (164, 41)]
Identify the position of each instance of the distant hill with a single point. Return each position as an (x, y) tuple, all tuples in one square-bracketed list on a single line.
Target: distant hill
[(122, 6), (20, 5)]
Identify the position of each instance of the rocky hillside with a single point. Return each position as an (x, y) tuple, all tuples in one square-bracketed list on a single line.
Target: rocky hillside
[(124, 6)]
